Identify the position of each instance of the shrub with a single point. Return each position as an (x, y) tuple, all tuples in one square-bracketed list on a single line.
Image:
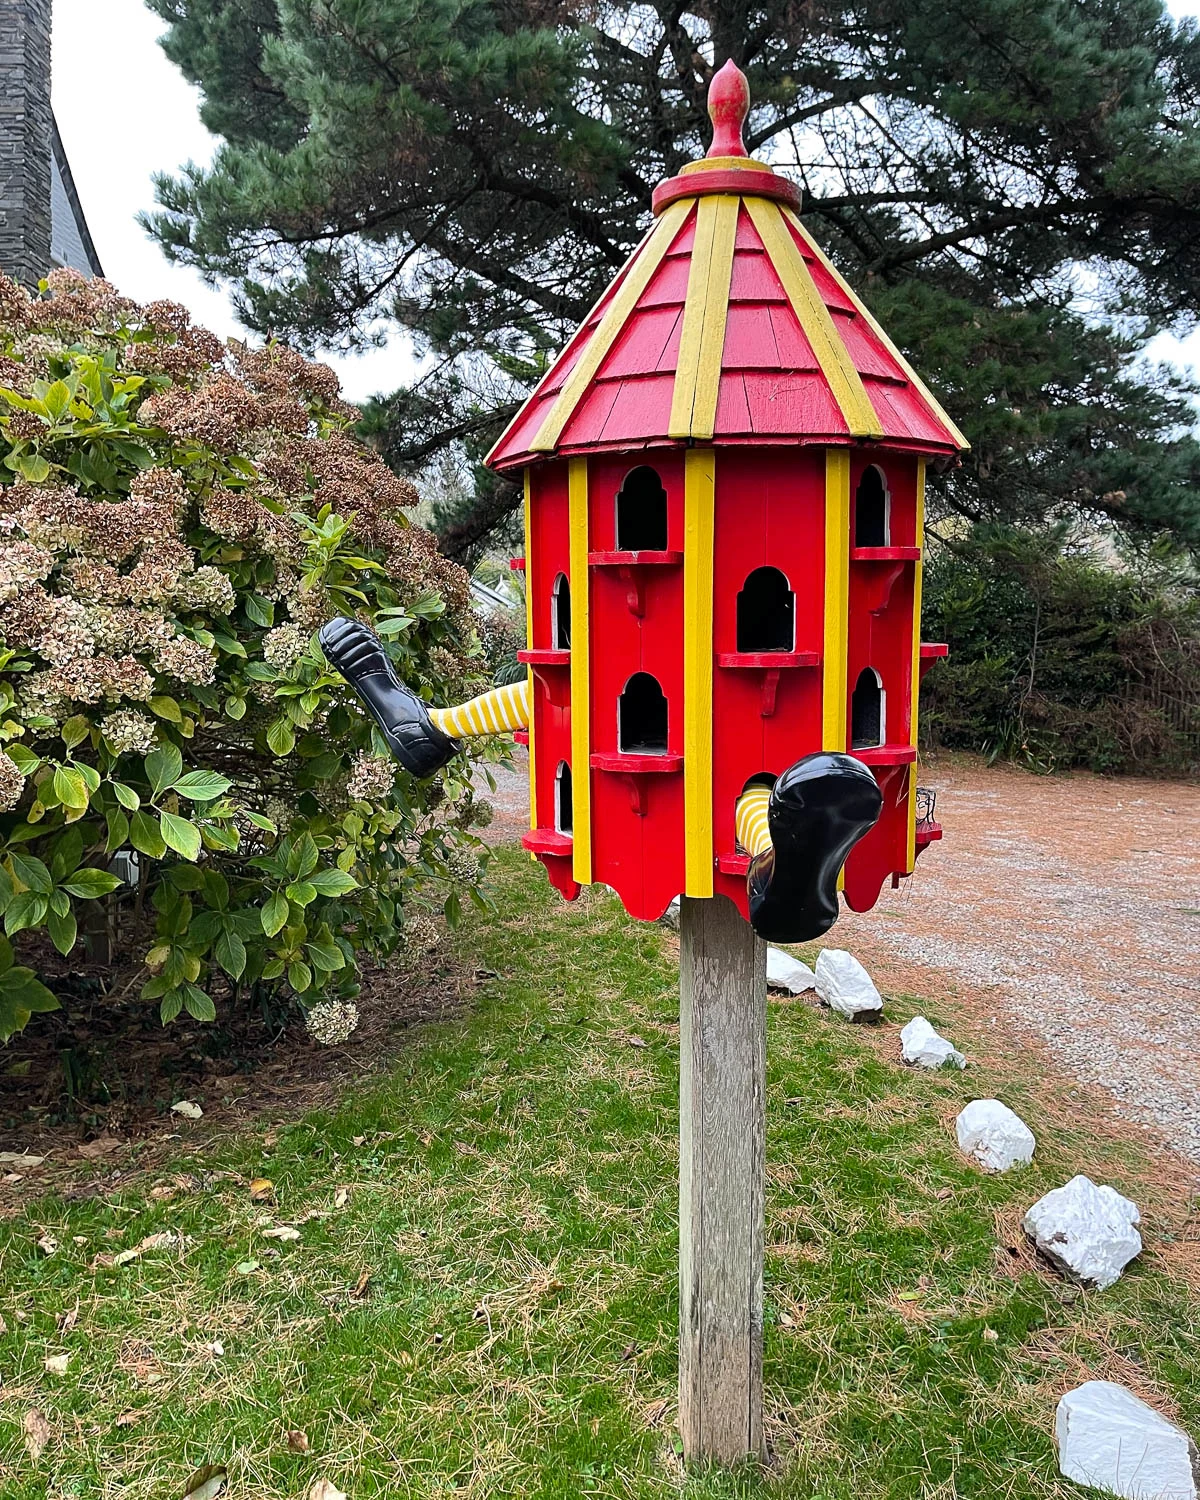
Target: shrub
[(182, 778), (1061, 659)]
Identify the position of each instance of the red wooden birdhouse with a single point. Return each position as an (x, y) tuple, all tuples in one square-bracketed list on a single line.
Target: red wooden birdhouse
[(724, 481)]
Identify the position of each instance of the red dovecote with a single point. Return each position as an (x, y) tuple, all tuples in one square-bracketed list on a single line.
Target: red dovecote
[(724, 477)]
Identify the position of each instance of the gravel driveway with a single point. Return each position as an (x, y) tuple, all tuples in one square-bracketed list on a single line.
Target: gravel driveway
[(1070, 903)]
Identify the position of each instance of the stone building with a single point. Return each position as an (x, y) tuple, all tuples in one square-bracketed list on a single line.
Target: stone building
[(41, 220)]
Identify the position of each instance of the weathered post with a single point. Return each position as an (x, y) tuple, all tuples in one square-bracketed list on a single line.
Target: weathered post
[(722, 1115)]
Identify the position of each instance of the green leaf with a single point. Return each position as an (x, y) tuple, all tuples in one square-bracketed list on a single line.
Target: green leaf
[(333, 882), (75, 730), (299, 976), (170, 1006), (118, 829), (229, 645), (22, 995), (126, 796), (275, 914), (230, 952), (259, 821), (180, 834), (91, 883), (146, 836), (23, 758), (70, 787), (260, 610), (235, 708), (34, 468), (327, 957), (62, 930), (198, 1005), (202, 786), (25, 911), (164, 767), (304, 856), (281, 736), (165, 707), (302, 893), (31, 872)]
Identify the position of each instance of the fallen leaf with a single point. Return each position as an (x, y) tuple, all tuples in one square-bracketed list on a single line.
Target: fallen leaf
[(247, 1267), (786, 1320), (656, 1411), (357, 1140), (341, 1197), (360, 1286), (127, 1419), (325, 1489), (37, 1433), (47, 1244), (160, 1192), (910, 1296), (20, 1159), (297, 1441), (216, 1348), (187, 1109), (152, 1242), (943, 1193), (990, 1336), (281, 1232), (205, 1483), (262, 1190), (628, 1352), (3, 1327), (636, 1041), (103, 1145), (56, 1364), (67, 1320), (79, 1239)]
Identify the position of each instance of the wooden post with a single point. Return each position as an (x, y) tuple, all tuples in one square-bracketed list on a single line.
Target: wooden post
[(722, 1117)]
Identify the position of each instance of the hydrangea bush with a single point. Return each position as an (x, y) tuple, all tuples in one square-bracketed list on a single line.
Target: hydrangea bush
[(184, 784)]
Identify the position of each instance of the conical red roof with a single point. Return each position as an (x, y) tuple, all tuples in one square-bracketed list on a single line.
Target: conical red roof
[(726, 325)]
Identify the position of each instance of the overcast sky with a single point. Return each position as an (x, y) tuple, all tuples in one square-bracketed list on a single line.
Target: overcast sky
[(125, 112)]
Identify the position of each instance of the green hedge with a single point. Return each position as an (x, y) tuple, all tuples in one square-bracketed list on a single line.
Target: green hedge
[(1059, 659)]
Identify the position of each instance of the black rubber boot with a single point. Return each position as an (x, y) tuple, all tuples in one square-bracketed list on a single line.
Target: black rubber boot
[(819, 809), (412, 736)]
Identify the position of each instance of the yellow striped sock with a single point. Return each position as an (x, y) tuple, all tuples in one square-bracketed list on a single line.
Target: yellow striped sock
[(498, 712), (750, 818)]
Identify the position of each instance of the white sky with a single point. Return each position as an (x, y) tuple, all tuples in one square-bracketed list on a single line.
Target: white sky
[(107, 56)]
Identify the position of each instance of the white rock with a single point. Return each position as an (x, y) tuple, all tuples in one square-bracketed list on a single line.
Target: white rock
[(787, 973), (921, 1044), (1087, 1231), (995, 1136), (844, 985), (1111, 1440), (670, 918)]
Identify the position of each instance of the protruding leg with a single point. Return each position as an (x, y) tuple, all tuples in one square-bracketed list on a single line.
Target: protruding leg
[(799, 834), (403, 720)]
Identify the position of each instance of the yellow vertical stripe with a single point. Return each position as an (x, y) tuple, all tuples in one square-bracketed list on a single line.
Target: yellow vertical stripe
[(529, 644), (581, 779), (698, 486), (879, 331), (637, 278), (837, 599), (814, 317), (702, 337), (916, 665)]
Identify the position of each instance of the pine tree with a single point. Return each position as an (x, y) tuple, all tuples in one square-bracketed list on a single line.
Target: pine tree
[(1013, 185)]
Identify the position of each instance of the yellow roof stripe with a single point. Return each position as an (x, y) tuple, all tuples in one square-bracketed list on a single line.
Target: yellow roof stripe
[(836, 365), (702, 337), (880, 333), (624, 300)]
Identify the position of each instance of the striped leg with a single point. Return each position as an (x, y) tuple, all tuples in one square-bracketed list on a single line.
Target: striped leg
[(498, 712), (750, 820)]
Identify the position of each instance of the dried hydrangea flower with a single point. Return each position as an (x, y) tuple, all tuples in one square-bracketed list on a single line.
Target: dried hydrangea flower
[(421, 934), (371, 777), (127, 730), (186, 660), (332, 1022), (284, 646), (208, 589), (463, 866), (12, 783), (21, 563)]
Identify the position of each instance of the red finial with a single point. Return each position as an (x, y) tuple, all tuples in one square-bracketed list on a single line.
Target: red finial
[(728, 106)]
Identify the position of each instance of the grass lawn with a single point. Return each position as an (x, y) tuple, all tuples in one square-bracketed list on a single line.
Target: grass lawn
[(481, 1298)]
